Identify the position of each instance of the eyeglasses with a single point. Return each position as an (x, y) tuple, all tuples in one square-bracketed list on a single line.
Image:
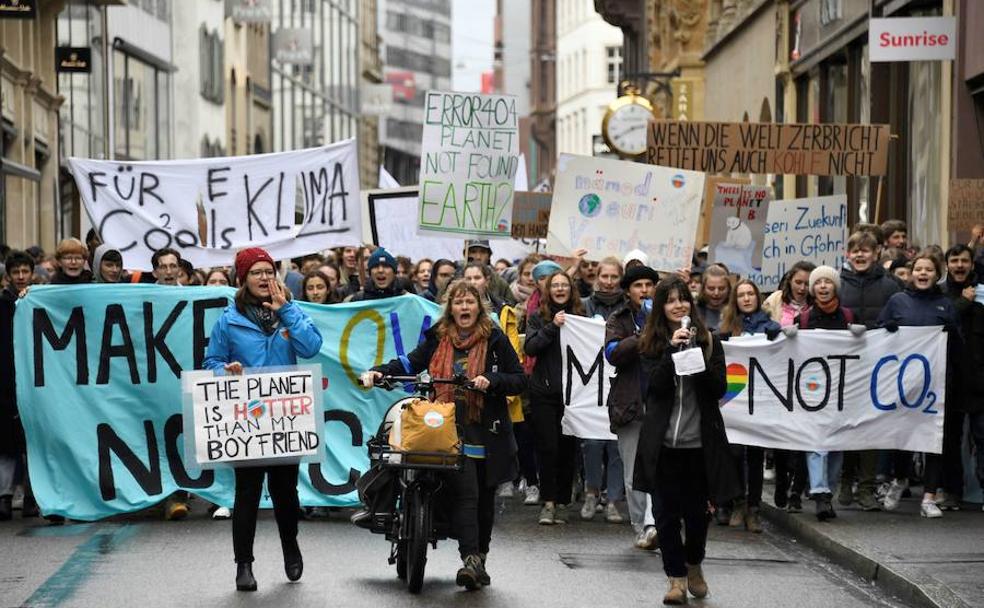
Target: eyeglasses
[(256, 274)]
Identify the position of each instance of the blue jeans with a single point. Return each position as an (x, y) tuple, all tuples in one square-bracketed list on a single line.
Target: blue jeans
[(594, 452), (824, 469)]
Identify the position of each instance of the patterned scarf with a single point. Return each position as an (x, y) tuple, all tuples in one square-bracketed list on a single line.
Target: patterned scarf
[(442, 366), (264, 318)]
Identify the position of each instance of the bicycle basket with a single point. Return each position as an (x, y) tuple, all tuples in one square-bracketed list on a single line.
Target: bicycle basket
[(426, 426)]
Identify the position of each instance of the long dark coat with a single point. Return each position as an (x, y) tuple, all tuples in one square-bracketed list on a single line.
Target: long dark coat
[(722, 482)]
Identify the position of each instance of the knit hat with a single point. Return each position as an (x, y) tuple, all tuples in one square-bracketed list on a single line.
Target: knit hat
[(545, 268), (482, 243), (825, 272), (638, 273), (246, 258), (637, 255), (381, 257)]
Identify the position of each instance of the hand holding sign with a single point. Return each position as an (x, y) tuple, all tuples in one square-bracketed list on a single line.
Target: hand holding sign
[(235, 368)]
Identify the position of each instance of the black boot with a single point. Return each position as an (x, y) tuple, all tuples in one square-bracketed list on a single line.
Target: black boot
[(30, 508), (6, 508), (293, 563), (244, 577)]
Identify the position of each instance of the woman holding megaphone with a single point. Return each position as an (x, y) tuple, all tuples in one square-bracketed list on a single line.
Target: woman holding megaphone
[(683, 457)]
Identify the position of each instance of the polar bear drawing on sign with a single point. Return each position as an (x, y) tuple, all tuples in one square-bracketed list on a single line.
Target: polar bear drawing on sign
[(739, 236)]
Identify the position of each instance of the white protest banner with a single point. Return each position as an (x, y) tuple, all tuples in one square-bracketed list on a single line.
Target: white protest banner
[(469, 160), (829, 390), (611, 207), (587, 378), (810, 229), (209, 208), (391, 222), (265, 415), (912, 39), (737, 220)]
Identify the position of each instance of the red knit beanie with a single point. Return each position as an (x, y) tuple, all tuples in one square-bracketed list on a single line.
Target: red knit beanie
[(246, 258)]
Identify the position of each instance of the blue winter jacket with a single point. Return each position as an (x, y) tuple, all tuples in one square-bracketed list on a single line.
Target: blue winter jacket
[(920, 308), (758, 322), (236, 338)]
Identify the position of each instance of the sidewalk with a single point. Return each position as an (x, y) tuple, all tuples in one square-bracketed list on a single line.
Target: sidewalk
[(931, 563)]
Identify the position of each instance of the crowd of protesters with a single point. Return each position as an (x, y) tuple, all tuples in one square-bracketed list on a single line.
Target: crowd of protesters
[(661, 478)]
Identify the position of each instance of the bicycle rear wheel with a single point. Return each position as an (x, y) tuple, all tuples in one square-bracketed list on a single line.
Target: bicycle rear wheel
[(420, 517)]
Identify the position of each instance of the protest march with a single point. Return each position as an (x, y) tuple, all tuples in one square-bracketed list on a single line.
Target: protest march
[(647, 342)]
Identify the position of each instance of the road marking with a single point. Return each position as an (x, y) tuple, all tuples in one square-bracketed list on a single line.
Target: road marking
[(79, 566)]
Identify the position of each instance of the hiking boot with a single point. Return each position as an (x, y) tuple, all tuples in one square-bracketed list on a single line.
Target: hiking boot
[(483, 574), (677, 594), (752, 521), (867, 501), (468, 576), (588, 510), (795, 504), (647, 539), (532, 496), (781, 500), (894, 494), (737, 516), (244, 577), (175, 509), (929, 510), (547, 514), (695, 581), (824, 508)]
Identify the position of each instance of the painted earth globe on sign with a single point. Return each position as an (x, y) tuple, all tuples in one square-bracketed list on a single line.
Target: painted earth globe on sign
[(589, 205)]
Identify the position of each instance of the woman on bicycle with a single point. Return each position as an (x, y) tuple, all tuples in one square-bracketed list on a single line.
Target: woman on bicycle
[(263, 328), (465, 341)]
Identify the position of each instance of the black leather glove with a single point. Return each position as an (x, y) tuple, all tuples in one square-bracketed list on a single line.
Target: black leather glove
[(772, 333), (891, 326)]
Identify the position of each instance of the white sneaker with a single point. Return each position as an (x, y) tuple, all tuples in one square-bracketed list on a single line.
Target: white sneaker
[(506, 489), (769, 474), (532, 496), (894, 495), (612, 515), (588, 509), (222, 513), (929, 510), (522, 485), (647, 538)]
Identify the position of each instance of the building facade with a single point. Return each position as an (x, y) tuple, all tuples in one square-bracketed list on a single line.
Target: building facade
[(589, 69), (511, 65), (199, 50), (371, 71), (416, 56), (543, 91)]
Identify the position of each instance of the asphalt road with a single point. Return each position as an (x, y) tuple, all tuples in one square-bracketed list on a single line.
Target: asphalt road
[(143, 561)]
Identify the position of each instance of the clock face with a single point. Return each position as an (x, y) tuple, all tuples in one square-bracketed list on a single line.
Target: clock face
[(627, 128)]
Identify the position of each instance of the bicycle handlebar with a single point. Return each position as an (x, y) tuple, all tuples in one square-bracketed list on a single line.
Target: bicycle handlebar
[(387, 382)]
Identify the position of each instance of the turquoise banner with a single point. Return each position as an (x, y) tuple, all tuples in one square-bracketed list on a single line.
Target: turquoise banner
[(99, 390)]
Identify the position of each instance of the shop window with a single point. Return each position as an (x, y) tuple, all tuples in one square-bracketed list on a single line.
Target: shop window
[(210, 65)]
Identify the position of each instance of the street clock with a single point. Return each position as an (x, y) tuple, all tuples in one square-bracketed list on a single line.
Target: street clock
[(626, 123)]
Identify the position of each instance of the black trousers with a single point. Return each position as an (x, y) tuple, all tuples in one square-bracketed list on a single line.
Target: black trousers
[(682, 495), (556, 453), (751, 471), (791, 474), (473, 513), (526, 442), (282, 484)]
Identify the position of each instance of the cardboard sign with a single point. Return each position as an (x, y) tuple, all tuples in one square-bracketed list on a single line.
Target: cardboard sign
[(966, 206), (469, 160), (531, 215), (391, 222), (611, 207), (749, 147), (737, 222), (271, 417), (829, 390), (912, 39), (208, 208), (809, 229)]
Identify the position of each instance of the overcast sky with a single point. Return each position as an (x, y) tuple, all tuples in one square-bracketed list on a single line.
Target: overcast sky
[(471, 32)]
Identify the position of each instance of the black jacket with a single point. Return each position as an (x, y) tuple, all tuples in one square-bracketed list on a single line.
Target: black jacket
[(970, 315), (371, 292), (866, 293), (11, 433), (506, 378), (543, 342), (722, 482), (818, 319), (625, 399), (594, 306)]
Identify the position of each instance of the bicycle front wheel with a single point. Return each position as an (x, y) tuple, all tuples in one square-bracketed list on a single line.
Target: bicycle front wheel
[(419, 513)]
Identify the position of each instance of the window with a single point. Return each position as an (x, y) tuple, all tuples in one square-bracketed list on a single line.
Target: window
[(613, 63), (210, 60), (142, 112)]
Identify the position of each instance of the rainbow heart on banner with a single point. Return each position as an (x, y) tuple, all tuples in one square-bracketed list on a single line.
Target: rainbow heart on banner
[(737, 378)]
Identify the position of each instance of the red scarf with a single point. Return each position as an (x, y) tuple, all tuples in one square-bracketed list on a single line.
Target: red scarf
[(442, 366), (830, 307)]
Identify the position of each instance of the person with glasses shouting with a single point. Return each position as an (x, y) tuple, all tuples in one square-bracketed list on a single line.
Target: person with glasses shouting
[(264, 328), (71, 255)]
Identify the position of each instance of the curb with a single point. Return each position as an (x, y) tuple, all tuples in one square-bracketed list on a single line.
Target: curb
[(867, 567)]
